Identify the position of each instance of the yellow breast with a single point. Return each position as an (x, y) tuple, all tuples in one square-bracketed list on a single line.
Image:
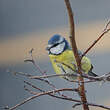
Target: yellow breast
[(68, 58)]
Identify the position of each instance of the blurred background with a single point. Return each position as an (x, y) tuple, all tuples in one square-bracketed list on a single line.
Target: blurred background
[(27, 24)]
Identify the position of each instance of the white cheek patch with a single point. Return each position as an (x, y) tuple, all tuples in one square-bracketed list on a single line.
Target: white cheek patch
[(58, 49)]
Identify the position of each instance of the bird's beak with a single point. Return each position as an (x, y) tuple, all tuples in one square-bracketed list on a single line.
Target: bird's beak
[(47, 48)]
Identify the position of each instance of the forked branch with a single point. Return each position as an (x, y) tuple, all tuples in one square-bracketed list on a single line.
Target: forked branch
[(106, 30), (77, 57)]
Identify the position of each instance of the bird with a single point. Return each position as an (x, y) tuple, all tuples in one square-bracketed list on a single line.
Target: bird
[(63, 59)]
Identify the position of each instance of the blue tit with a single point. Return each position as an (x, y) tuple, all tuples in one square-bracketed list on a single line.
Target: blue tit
[(60, 53)]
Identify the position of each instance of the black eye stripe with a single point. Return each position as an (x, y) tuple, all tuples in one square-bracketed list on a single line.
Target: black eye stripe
[(52, 46), (55, 45)]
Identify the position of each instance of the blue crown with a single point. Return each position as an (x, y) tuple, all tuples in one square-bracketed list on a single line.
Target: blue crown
[(56, 39)]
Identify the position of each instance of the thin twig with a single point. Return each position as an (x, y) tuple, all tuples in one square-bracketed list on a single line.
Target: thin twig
[(33, 62), (92, 104), (41, 79), (51, 94), (76, 104), (30, 91), (33, 86), (45, 93), (29, 76), (40, 70), (41, 90), (105, 77), (99, 105), (53, 75), (106, 26), (106, 30)]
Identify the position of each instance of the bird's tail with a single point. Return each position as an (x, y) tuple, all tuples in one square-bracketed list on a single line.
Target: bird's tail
[(92, 74)]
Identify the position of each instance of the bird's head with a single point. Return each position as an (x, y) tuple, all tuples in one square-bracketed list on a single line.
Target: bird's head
[(57, 44)]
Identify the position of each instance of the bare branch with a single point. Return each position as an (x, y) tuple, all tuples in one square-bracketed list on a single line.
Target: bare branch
[(33, 62), (29, 76), (53, 75), (72, 32), (106, 30), (99, 105), (91, 104), (76, 104), (40, 70), (23, 102), (107, 26), (45, 93), (53, 95), (105, 77), (38, 78), (33, 86), (30, 91), (75, 51)]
